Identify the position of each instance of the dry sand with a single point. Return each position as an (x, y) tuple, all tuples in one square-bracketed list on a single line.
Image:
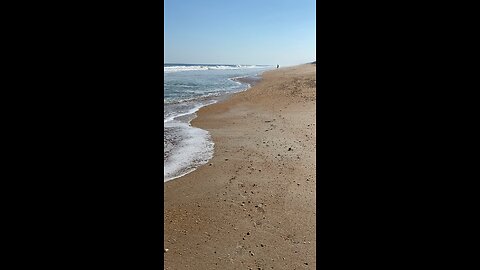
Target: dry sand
[(253, 206)]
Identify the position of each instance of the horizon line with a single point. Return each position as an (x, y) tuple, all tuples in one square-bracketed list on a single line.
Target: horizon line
[(217, 64)]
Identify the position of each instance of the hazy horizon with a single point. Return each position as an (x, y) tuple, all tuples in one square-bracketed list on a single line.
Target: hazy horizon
[(173, 63), (240, 33)]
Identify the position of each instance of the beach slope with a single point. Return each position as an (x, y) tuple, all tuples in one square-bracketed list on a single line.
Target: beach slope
[(253, 205)]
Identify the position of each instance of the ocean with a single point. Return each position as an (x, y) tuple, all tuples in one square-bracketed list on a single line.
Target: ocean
[(187, 88)]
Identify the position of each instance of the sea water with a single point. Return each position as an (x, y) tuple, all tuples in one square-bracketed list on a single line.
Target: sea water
[(187, 88)]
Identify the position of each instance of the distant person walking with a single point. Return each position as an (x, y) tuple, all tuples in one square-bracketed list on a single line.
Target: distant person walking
[(277, 66)]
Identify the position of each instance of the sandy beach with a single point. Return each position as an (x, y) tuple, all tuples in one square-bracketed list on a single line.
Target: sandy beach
[(253, 206)]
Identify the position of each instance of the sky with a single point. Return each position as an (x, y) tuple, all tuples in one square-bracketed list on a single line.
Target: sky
[(257, 32)]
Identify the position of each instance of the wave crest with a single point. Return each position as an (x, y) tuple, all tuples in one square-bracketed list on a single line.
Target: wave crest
[(170, 69)]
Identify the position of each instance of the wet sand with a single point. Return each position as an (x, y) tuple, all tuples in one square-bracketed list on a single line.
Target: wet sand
[(254, 205)]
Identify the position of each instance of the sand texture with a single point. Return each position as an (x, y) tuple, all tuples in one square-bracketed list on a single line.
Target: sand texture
[(253, 205)]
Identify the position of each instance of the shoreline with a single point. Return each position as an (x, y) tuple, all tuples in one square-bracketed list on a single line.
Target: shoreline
[(253, 204), (247, 82)]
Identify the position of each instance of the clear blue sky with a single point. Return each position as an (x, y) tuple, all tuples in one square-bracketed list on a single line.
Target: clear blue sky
[(240, 31)]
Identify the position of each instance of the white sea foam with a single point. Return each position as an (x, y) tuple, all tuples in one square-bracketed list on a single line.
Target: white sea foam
[(191, 111), (170, 69), (195, 148)]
